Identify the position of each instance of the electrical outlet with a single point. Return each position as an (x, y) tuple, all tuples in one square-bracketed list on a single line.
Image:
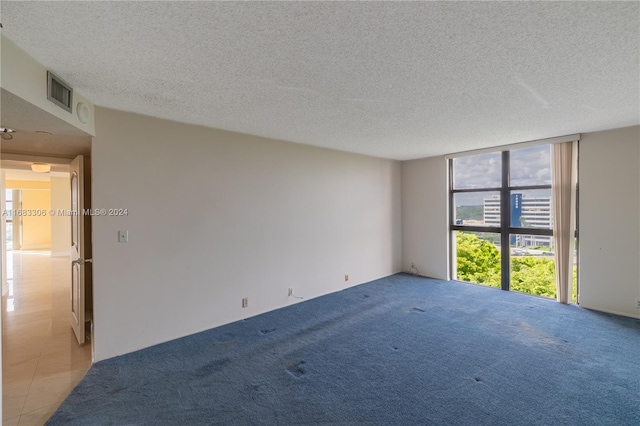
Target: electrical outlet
[(290, 293), (245, 302), (346, 277), (637, 303)]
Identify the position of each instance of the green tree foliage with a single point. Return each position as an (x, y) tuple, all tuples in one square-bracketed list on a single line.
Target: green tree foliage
[(534, 275), (478, 261), (470, 212)]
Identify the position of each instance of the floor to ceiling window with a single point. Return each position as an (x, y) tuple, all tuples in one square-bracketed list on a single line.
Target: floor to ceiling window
[(502, 220)]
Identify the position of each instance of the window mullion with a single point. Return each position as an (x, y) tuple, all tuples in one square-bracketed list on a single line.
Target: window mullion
[(505, 223)]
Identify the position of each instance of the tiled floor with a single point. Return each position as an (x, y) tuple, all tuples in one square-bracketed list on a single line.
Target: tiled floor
[(41, 359)]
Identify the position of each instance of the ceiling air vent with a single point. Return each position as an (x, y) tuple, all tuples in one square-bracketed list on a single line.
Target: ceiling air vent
[(59, 92)]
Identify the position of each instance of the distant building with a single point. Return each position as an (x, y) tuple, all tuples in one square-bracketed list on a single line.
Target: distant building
[(526, 212)]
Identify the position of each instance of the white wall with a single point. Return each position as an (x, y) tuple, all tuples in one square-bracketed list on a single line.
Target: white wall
[(424, 216), (215, 216), (609, 180), (60, 225)]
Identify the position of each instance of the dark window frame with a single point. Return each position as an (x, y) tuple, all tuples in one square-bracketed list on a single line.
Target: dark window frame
[(505, 230)]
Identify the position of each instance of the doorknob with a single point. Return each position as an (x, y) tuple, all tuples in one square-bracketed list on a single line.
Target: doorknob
[(81, 261)]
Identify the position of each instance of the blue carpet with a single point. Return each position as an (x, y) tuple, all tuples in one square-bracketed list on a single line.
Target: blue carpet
[(402, 350)]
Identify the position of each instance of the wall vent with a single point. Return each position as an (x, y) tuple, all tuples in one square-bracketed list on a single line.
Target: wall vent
[(59, 92)]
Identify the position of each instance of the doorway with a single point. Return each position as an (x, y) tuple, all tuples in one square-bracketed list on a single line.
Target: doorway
[(42, 360)]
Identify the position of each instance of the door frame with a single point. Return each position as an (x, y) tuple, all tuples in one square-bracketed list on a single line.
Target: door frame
[(66, 161)]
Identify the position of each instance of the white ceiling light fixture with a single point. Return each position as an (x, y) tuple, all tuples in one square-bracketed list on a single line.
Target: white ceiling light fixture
[(41, 167)]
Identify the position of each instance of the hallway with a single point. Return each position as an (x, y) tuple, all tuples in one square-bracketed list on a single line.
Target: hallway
[(42, 361)]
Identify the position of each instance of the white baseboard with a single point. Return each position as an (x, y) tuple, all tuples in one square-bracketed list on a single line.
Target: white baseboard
[(36, 247), (60, 253), (610, 311)]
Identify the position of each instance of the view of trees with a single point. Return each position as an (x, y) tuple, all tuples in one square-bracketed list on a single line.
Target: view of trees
[(478, 261), (534, 275), (470, 212)]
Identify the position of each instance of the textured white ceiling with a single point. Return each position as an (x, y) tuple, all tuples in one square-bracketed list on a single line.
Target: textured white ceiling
[(394, 80)]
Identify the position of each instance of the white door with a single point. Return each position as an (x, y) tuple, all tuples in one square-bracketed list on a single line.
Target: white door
[(78, 249)]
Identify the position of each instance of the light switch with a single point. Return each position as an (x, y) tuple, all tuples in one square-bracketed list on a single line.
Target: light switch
[(123, 236)]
